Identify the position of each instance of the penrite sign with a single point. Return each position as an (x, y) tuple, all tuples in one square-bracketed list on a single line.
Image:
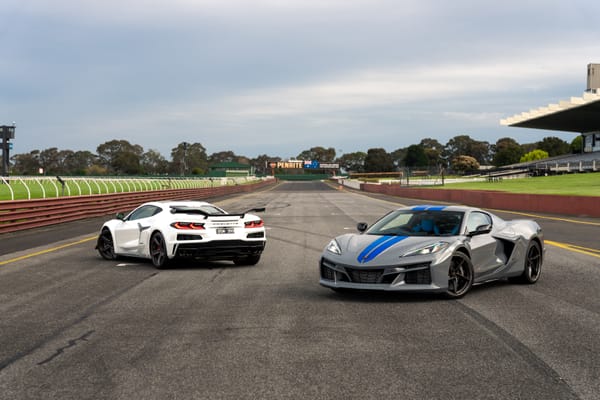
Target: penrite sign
[(299, 164)]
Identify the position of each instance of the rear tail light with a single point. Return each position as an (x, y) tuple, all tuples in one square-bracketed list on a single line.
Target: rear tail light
[(255, 224), (196, 226)]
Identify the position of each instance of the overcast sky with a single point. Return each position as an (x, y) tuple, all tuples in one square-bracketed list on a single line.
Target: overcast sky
[(278, 77)]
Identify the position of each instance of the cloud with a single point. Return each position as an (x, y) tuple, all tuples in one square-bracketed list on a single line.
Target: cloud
[(388, 87), (378, 73)]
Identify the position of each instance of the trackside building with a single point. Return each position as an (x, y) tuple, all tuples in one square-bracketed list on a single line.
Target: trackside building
[(577, 114)]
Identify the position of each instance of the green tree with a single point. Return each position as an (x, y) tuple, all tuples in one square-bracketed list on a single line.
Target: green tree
[(78, 162), (318, 153), (506, 151), (534, 155), (378, 160), (26, 163), (153, 163), (554, 146), (464, 164), (463, 145), (529, 147), (120, 157), (187, 157), (353, 162), (398, 156), (416, 157), (481, 151), (96, 170), (50, 161), (433, 150), (577, 145), (261, 164), (221, 157)]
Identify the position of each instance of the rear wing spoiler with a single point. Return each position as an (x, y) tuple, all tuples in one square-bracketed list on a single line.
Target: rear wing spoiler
[(187, 210)]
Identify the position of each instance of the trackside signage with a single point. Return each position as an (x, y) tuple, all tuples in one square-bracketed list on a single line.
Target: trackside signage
[(299, 164)]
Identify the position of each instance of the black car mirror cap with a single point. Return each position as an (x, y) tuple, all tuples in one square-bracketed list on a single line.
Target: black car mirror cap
[(481, 230), (362, 226)]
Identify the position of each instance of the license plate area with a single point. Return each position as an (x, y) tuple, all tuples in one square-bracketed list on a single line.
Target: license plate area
[(222, 231)]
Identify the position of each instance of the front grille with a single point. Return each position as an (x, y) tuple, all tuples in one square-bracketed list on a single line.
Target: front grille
[(389, 278), (414, 274), (419, 277), (365, 276), (327, 273)]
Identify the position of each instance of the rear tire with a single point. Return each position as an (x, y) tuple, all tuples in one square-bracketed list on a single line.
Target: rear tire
[(158, 251), (460, 276), (533, 264), (106, 245)]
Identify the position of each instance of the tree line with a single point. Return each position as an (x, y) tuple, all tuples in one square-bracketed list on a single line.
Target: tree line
[(461, 154)]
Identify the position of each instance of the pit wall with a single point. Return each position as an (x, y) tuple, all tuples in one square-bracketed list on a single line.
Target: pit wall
[(582, 206)]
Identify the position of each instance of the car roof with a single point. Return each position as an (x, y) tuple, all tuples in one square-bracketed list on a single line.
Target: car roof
[(430, 207), (185, 203)]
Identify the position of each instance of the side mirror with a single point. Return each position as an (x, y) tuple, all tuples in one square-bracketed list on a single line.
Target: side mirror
[(481, 229), (362, 226), (120, 216)]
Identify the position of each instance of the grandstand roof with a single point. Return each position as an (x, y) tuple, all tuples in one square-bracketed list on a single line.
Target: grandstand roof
[(578, 114)]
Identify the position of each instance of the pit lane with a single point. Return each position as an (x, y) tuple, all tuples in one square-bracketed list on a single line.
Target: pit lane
[(75, 326)]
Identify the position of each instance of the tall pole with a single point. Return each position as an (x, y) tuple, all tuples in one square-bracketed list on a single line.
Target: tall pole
[(8, 132), (185, 147)]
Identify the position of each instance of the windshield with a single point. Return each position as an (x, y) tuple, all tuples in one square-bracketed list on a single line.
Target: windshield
[(418, 223)]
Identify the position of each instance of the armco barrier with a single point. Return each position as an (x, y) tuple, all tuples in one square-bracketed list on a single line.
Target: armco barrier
[(24, 214), (542, 203)]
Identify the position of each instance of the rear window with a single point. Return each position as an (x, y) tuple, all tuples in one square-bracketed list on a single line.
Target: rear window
[(203, 210)]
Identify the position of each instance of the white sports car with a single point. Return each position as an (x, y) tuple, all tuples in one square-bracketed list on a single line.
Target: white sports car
[(165, 230)]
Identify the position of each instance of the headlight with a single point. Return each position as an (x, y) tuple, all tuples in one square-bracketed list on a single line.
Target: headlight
[(430, 249), (334, 247)]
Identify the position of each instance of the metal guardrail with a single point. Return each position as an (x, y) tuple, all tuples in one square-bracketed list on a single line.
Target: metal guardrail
[(16, 215), (32, 187)]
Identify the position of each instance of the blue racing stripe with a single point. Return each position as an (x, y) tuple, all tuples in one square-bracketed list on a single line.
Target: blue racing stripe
[(370, 247), (427, 207), (377, 247)]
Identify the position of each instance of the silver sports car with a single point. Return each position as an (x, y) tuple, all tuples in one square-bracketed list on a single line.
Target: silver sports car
[(434, 249)]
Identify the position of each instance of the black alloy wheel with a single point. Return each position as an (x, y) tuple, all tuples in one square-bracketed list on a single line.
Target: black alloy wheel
[(460, 276), (158, 251), (105, 245), (533, 264)]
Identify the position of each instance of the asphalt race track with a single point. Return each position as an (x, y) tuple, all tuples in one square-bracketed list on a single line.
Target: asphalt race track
[(74, 326)]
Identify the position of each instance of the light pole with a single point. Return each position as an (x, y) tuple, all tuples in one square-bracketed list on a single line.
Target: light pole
[(8, 132), (185, 147)]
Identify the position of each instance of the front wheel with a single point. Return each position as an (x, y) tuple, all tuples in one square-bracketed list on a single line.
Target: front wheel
[(158, 251), (460, 276), (106, 245)]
